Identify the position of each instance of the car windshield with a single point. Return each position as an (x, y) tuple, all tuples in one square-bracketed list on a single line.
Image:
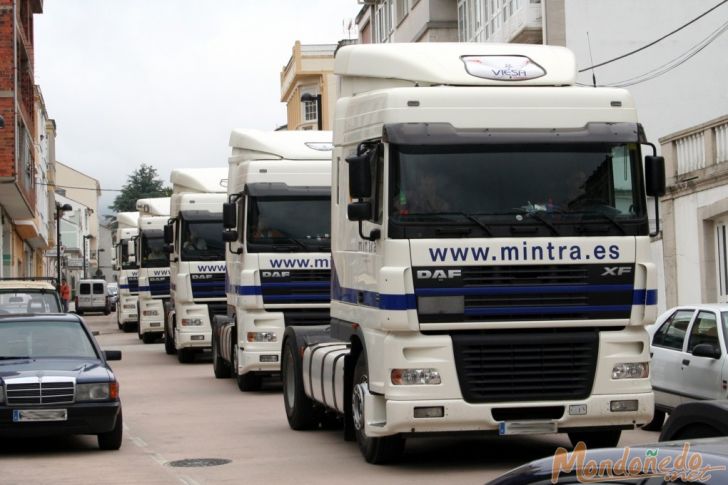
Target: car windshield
[(29, 301), (44, 339), (303, 223), (571, 187), (202, 240)]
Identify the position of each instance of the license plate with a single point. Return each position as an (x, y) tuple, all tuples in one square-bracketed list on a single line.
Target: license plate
[(25, 415), (526, 427), (155, 324)]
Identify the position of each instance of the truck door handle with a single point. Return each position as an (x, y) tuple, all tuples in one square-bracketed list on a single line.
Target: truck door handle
[(686, 362)]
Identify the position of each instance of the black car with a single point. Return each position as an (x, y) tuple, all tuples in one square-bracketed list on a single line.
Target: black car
[(54, 379), (694, 461)]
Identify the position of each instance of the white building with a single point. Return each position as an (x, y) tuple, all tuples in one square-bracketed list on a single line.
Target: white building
[(76, 233)]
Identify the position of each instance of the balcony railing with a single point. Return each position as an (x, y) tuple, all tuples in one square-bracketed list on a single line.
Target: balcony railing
[(700, 148)]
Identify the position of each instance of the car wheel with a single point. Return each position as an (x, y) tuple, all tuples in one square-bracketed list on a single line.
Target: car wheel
[(112, 439), (79, 312), (381, 450), (220, 367), (300, 409), (186, 356), (608, 438), (657, 421)]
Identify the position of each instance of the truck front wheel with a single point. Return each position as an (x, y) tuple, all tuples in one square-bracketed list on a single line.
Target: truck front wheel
[(246, 382), (220, 367), (379, 451), (169, 342), (608, 438), (300, 409)]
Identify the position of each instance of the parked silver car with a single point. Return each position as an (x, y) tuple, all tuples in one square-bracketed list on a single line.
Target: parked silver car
[(689, 357)]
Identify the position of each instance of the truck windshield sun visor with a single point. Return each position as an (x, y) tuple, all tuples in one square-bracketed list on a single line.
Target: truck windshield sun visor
[(198, 215), (280, 189), (446, 134)]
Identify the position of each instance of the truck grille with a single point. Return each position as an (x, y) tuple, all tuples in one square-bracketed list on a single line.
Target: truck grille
[(302, 286), (306, 317), (208, 285), (536, 293), (159, 286), (526, 365), (37, 393)]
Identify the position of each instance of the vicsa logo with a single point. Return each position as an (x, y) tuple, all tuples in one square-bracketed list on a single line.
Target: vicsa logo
[(275, 274), (438, 274)]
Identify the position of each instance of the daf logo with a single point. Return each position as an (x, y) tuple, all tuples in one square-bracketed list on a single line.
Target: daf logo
[(616, 270), (438, 274), (276, 274)]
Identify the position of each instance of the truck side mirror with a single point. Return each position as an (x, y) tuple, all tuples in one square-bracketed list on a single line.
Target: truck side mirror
[(168, 234), (229, 215), (655, 176), (131, 251), (359, 211), (230, 236), (360, 175)]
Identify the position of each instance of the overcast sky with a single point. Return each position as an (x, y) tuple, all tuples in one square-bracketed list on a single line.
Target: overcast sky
[(164, 81)]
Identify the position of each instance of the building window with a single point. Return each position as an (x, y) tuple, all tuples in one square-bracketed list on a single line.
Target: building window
[(384, 20), (403, 8), (309, 111), (722, 259)]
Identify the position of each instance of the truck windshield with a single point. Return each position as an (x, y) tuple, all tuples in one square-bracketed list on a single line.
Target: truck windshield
[(125, 264), (528, 190), (202, 240), (294, 224), (153, 255)]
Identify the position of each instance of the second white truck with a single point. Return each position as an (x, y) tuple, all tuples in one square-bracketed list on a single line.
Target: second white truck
[(278, 224), (126, 270), (197, 259), (153, 267)]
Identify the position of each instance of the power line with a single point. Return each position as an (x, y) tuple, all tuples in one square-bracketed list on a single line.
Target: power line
[(673, 63), (79, 188), (655, 41)]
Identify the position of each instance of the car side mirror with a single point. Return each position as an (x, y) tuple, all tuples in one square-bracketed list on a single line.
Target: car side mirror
[(655, 176), (112, 354), (706, 350), (229, 215)]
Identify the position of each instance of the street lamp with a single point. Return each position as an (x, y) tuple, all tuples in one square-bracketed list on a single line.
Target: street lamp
[(60, 209), (87, 236), (309, 98)]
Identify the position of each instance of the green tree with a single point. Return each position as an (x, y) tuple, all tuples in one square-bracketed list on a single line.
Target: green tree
[(143, 183)]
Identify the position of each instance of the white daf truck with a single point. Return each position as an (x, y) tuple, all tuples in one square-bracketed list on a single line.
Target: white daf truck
[(197, 259), (127, 270), (278, 258), (491, 264), (153, 267)]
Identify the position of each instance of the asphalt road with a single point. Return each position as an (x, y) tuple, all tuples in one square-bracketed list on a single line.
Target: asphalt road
[(181, 412)]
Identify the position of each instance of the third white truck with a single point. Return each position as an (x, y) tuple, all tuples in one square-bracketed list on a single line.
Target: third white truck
[(126, 270)]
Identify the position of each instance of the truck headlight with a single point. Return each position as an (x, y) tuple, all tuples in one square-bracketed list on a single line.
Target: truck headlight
[(150, 313), (631, 370), (408, 377), (439, 305), (191, 322), (262, 337), (101, 391)]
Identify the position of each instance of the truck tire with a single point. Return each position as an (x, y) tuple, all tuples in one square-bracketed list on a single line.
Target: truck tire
[(127, 327), (112, 439), (607, 438), (300, 409), (186, 356), (657, 421), (378, 451), (169, 343), (149, 338), (249, 382), (220, 367)]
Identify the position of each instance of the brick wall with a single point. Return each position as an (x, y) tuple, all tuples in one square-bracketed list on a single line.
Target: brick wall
[(7, 85)]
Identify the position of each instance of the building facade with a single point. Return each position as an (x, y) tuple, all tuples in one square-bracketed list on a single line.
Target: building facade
[(309, 71), (24, 161), (382, 21)]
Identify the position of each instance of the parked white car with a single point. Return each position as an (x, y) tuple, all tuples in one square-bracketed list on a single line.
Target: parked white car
[(689, 357)]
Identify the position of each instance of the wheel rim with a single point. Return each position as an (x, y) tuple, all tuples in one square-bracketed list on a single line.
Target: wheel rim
[(357, 405), (290, 381), (235, 360)]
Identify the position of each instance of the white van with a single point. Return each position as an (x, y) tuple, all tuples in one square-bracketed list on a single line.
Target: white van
[(91, 296)]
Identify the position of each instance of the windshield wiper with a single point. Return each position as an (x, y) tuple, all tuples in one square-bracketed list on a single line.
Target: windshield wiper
[(465, 215), (610, 218), (537, 215), (14, 357)]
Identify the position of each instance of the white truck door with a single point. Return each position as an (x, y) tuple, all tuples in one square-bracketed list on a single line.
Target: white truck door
[(667, 350)]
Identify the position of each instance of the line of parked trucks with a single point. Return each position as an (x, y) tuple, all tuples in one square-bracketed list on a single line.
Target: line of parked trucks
[(469, 251)]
